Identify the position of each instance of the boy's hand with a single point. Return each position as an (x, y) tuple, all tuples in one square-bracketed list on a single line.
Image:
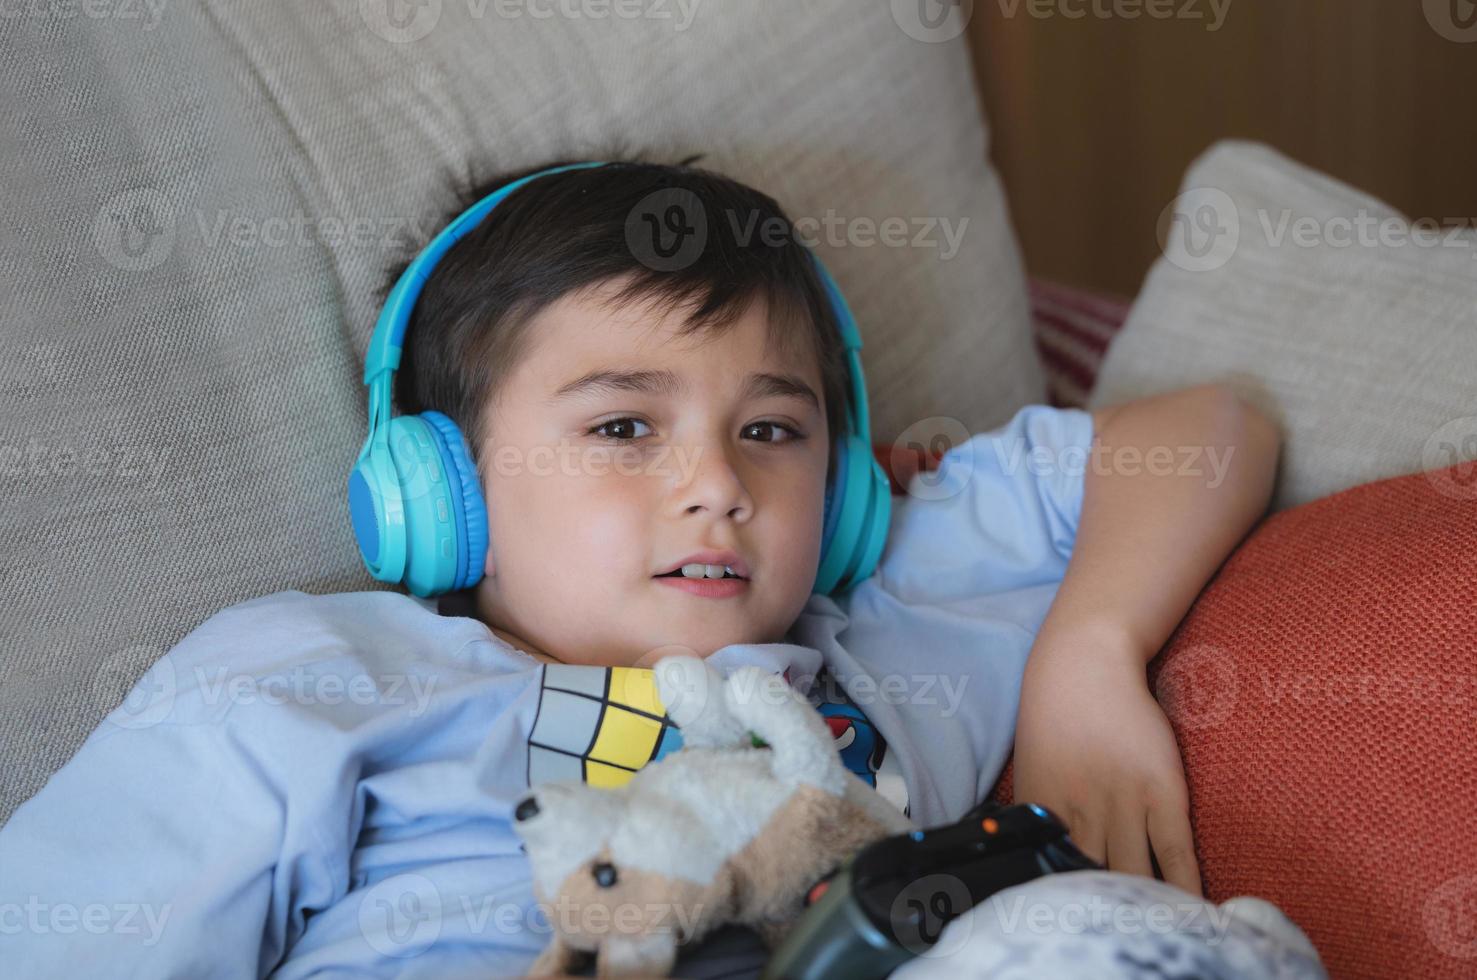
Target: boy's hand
[(1094, 746)]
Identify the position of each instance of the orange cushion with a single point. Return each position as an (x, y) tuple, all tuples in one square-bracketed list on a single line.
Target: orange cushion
[(1323, 689)]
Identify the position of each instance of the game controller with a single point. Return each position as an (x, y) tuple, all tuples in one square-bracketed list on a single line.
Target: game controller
[(892, 899)]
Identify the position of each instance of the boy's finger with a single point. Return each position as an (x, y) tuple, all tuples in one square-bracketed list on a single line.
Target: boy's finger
[(1174, 848), (1086, 833), (1128, 842)]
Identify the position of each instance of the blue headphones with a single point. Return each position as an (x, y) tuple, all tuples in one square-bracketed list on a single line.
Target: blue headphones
[(416, 501)]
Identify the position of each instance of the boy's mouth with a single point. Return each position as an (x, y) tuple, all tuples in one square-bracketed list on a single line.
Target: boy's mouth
[(723, 586), (708, 564), (703, 574)]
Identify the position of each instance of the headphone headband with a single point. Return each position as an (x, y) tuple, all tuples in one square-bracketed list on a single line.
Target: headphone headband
[(389, 331)]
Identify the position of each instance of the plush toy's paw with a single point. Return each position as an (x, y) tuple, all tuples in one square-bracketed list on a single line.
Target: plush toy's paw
[(651, 955), (804, 749), (691, 693), (760, 698), (557, 959)]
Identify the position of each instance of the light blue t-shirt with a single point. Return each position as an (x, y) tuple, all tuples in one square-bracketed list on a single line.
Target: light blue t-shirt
[(322, 785)]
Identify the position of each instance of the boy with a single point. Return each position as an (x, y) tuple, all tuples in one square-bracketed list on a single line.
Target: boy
[(323, 784)]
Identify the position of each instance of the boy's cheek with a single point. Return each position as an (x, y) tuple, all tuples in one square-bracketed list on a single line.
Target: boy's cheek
[(571, 526), (793, 558)]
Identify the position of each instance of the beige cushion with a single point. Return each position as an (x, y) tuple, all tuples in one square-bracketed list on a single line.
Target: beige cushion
[(201, 203), (1357, 332)]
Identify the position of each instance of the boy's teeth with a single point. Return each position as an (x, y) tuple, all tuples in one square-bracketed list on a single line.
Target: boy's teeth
[(697, 570)]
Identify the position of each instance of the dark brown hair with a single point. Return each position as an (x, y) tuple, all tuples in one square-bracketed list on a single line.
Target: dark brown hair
[(567, 231)]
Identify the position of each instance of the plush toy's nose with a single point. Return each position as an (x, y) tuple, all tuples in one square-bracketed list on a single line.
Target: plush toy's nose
[(527, 809), (604, 874)]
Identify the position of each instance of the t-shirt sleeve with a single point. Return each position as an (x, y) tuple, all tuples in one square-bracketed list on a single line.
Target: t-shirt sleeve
[(999, 512)]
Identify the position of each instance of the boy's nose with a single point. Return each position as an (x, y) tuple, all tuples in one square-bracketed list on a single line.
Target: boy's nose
[(714, 484)]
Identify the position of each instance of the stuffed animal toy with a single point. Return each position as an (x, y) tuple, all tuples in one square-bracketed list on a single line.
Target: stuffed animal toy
[(733, 827)]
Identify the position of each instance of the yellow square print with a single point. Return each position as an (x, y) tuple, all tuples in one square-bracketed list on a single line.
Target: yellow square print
[(606, 777), (635, 687), (625, 738)]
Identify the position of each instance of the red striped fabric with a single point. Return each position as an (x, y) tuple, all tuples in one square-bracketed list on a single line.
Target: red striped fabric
[(1072, 329)]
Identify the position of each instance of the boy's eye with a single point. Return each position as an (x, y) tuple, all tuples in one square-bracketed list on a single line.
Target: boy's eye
[(770, 427), (619, 430)]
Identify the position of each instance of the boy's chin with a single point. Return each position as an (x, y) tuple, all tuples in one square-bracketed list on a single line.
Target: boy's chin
[(701, 645)]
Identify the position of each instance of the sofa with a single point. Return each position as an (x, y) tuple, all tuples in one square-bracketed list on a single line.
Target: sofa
[(204, 199)]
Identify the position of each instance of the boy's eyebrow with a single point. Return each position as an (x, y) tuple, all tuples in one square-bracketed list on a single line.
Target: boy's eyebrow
[(760, 384)]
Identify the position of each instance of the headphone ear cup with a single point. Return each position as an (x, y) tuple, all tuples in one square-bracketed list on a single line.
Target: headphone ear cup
[(421, 483), (433, 533), (376, 513), (857, 522), (876, 526), (835, 493), (467, 499), (825, 579), (839, 552)]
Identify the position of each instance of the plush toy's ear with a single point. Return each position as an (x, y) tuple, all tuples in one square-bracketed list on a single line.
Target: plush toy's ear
[(557, 804), (563, 824)]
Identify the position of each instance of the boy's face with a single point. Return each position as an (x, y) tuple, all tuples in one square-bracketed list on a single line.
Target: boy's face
[(583, 515)]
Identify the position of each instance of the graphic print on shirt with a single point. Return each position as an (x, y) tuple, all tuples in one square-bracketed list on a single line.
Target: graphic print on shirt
[(599, 725), (864, 750)]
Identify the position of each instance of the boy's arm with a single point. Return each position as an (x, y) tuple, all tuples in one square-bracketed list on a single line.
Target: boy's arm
[(1173, 485), (287, 790)]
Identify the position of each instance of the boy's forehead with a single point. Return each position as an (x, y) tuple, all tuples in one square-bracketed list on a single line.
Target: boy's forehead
[(583, 332)]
